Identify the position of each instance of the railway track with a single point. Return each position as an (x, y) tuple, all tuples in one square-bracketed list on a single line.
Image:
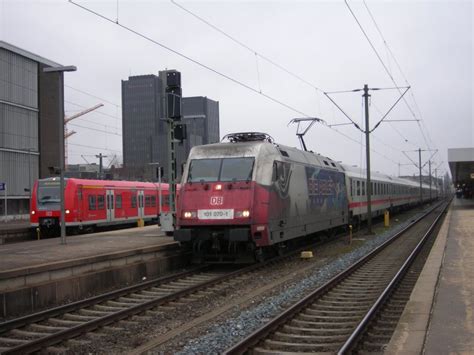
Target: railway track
[(335, 317), (54, 326), (41, 330)]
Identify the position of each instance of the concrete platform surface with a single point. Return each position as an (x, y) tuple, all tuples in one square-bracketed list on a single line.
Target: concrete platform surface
[(438, 318), (14, 225), (451, 329), (35, 253)]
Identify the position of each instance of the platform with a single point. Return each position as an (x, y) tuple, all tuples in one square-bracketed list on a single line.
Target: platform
[(15, 231), (44, 272), (439, 318), (34, 253)]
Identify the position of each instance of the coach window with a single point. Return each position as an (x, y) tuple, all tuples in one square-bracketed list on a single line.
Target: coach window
[(358, 188), (153, 201), (118, 201), (100, 202), (92, 201), (363, 188), (134, 201), (147, 201)]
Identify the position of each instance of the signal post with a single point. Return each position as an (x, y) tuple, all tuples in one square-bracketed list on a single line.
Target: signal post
[(172, 105)]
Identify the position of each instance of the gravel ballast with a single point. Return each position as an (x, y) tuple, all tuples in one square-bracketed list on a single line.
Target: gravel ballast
[(224, 334)]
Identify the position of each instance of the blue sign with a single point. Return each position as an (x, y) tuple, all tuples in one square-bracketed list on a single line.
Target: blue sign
[(3, 186)]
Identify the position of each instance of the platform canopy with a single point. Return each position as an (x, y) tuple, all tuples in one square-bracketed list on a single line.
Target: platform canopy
[(461, 164)]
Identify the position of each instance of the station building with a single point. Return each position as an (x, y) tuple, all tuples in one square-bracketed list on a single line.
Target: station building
[(461, 164), (145, 137), (29, 132)]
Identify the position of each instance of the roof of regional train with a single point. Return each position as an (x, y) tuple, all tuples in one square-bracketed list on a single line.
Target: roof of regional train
[(111, 183)]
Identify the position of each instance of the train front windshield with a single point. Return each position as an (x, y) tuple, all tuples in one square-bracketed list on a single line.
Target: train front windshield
[(221, 169), (48, 195)]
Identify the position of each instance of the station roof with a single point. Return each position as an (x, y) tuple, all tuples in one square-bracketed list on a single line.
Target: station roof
[(27, 54), (461, 164)]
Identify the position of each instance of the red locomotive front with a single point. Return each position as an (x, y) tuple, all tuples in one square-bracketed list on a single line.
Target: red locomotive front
[(222, 209)]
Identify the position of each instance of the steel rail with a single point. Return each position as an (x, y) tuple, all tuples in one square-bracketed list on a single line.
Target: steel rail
[(359, 330), (60, 336), (255, 337), (52, 312)]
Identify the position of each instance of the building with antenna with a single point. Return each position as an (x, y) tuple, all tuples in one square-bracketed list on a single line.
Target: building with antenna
[(29, 136), (145, 139)]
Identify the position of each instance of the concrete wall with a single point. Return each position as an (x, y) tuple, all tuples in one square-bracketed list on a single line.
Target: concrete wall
[(26, 291)]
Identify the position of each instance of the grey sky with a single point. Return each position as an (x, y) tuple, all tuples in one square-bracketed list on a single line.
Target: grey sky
[(318, 40)]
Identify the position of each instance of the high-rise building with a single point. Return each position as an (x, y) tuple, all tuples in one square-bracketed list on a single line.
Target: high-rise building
[(29, 130), (145, 139)]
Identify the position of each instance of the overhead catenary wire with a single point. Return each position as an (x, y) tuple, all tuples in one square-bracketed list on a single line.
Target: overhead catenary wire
[(234, 80), (228, 77), (240, 43), (94, 147), (385, 67), (95, 129), (92, 95)]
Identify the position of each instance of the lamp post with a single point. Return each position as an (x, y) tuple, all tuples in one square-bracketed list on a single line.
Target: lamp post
[(60, 71)]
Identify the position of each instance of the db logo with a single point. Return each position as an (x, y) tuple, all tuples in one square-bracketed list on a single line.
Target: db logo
[(217, 200)]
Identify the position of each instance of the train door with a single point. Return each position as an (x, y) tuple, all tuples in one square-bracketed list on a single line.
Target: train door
[(110, 205), (80, 203), (141, 204)]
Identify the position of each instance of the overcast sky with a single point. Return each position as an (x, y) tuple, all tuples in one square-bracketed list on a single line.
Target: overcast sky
[(318, 40)]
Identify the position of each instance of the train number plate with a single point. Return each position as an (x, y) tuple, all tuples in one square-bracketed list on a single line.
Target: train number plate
[(216, 214)]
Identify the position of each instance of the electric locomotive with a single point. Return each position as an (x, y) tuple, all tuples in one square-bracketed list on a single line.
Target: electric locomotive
[(243, 198)]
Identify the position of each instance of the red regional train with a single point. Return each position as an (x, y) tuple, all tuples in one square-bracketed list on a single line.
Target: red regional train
[(243, 199), (94, 203)]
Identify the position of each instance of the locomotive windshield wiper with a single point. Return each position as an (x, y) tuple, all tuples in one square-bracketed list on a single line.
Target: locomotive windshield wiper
[(47, 199)]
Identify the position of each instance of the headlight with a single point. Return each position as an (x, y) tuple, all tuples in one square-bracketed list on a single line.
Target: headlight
[(244, 214), (33, 212), (189, 214), (67, 211)]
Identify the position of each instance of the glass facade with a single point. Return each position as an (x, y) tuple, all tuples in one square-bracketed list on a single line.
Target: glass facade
[(145, 139)]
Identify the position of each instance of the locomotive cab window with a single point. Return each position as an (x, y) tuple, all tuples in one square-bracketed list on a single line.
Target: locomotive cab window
[(237, 169), (206, 170), (48, 193), (227, 169)]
